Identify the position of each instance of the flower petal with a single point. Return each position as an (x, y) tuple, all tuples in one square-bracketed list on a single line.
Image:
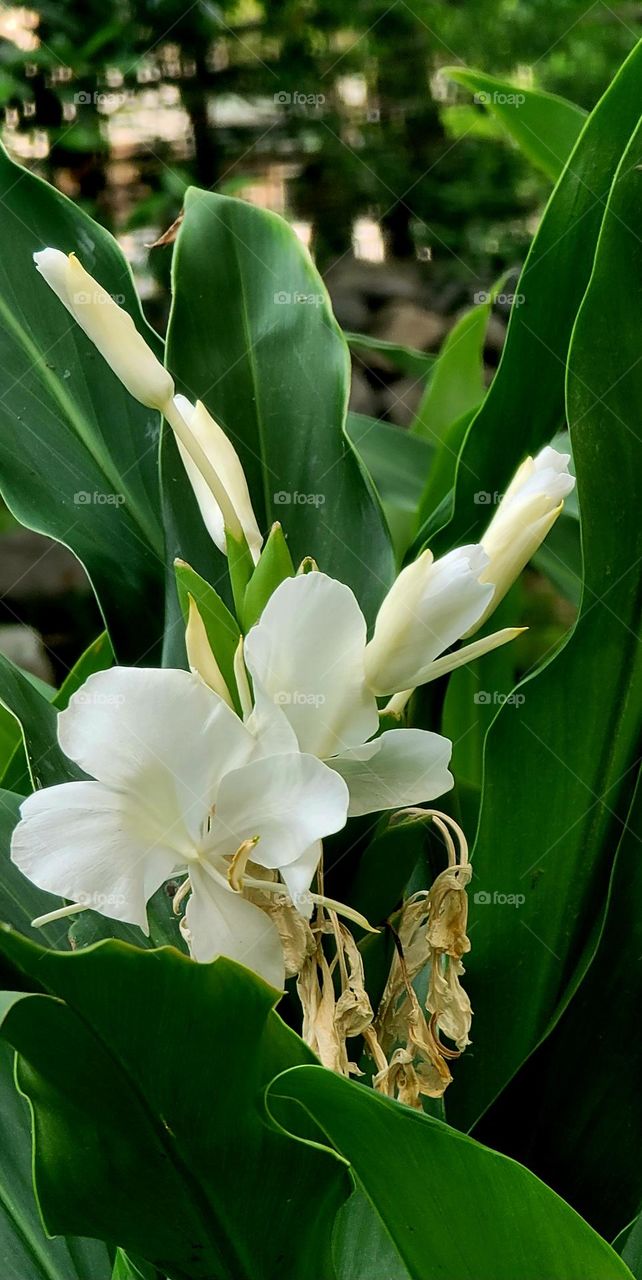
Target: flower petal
[(95, 846), (288, 801), (220, 922), (298, 876), (431, 604), (402, 767), (308, 652), (162, 735)]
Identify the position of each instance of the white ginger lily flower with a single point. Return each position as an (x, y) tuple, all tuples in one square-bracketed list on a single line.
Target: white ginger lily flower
[(209, 457), (526, 513), (307, 659), (180, 784)]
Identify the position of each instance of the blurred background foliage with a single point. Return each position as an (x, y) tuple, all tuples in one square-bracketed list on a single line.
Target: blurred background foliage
[(410, 195)]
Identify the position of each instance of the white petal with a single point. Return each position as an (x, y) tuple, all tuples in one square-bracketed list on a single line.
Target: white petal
[(298, 877), (223, 456), (161, 734), (308, 652), (269, 725), (288, 801), (222, 923), (428, 608), (95, 846), (108, 326), (402, 767), (460, 658)]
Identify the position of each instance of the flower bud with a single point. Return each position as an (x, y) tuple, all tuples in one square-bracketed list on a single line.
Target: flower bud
[(528, 509), (220, 488), (108, 326), (428, 608)]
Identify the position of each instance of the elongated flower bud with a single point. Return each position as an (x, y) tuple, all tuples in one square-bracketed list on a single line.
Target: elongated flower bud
[(220, 488), (108, 326), (428, 608), (528, 509)]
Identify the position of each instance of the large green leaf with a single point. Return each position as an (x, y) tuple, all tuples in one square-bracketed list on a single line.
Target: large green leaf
[(77, 453), (145, 1072), (457, 385), (524, 407), (560, 768), (37, 717), (251, 333), (451, 1207), (543, 125), (581, 1090), (25, 1251)]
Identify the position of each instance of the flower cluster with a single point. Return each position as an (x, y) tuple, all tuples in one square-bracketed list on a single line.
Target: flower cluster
[(234, 789)]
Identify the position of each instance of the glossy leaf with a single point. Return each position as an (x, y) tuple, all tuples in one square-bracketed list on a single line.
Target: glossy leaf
[(559, 769), (544, 126), (251, 333), (176, 1154), (457, 386), (524, 407), (77, 453), (25, 1251), (274, 566), (450, 1206), (417, 364)]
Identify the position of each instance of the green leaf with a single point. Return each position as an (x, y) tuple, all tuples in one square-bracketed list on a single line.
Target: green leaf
[(98, 656), (221, 626), (457, 386), (159, 1064), (274, 373), (47, 763), (77, 453), (524, 407), (417, 364), (559, 769), (450, 1206), (25, 1251), (543, 125), (274, 566), (397, 461), (554, 1107)]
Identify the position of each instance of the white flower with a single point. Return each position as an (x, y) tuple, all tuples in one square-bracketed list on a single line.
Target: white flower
[(528, 509), (211, 462), (108, 326), (224, 459), (430, 605), (181, 784), (307, 659)]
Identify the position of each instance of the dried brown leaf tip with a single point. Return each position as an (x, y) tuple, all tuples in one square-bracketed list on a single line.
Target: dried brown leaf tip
[(169, 236), (430, 936)]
